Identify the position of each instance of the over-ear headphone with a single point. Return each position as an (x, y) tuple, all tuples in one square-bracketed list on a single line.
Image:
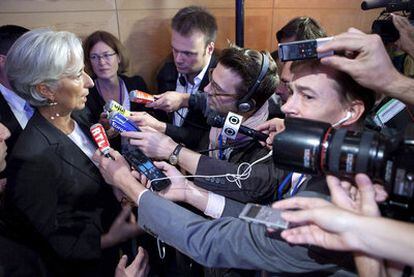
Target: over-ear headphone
[(246, 104), (349, 114)]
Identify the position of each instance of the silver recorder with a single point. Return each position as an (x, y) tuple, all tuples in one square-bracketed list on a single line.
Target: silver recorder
[(302, 50), (263, 215)]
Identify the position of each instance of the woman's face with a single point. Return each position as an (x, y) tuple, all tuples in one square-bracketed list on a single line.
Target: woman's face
[(104, 60), (72, 91)]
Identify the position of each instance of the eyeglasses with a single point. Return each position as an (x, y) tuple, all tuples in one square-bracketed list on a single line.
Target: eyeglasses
[(106, 57), (216, 89)]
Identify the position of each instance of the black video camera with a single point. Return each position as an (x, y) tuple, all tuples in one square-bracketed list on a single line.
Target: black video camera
[(384, 27), (316, 148)]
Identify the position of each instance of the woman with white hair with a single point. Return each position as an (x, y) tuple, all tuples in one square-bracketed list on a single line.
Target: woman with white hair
[(55, 193)]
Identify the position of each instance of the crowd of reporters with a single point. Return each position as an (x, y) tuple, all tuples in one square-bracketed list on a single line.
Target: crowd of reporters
[(69, 210)]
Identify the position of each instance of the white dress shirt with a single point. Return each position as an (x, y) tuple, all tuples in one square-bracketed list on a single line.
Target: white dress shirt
[(180, 114), (17, 106)]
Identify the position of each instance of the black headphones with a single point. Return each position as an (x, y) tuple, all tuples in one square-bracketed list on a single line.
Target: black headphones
[(247, 104)]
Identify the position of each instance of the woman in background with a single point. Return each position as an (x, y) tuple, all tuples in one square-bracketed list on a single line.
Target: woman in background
[(106, 61)]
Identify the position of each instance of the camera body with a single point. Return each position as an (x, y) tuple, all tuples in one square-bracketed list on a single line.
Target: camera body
[(317, 148), (386, 30)]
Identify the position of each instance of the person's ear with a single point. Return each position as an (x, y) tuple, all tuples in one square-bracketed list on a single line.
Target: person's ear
[(45, 91), (356, 110), (210, 48)]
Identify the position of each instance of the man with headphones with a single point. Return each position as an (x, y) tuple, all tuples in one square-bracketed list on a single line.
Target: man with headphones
[(242, 82)]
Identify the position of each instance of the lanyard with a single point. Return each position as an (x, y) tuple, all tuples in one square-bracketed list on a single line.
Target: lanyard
[(220, 141), (121, 93), (285, 182)]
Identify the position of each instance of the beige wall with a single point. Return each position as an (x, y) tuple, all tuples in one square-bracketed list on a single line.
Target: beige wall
[(143, 25)]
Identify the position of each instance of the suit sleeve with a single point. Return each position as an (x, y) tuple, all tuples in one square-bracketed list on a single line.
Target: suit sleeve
[(191, 136), (261, 184), (35, 189), (228, 242)]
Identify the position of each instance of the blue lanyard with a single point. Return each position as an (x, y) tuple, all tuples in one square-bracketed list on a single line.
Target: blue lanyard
[(283, 185), (285, 182), (220, 141)]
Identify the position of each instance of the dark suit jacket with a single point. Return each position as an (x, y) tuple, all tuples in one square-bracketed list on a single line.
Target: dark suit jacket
[(194, 131), (55, 188)]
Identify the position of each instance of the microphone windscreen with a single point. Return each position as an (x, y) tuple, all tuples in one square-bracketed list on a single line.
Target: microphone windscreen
[(215, 120)]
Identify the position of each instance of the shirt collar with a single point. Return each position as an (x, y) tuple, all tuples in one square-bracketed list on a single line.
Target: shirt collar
[(200, 76), (12, 98)]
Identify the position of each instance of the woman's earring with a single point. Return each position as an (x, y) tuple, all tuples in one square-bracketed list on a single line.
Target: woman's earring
[(54, 113)]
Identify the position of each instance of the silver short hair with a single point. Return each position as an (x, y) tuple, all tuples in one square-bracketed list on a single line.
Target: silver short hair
[(42, 56)]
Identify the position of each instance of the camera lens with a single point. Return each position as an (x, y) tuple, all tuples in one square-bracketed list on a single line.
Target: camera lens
[(299, 146), (314, 147)]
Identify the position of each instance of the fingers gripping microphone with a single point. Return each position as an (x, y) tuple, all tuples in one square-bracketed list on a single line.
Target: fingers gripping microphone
[(100, 138), (218, 121)]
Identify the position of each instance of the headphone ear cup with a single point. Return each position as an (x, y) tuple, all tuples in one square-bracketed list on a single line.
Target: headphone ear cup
[(246, 106)]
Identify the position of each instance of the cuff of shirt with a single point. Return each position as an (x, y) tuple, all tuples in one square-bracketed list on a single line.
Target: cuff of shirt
[(215, 205)]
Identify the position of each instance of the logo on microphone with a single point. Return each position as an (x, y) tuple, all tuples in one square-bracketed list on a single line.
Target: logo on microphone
[(234, 120), (232, 125)]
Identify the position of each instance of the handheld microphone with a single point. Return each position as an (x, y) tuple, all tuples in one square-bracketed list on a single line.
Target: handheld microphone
[(141, 97), (216, 120), (373, 4), (100, 138), (120, 123), (113, 106)]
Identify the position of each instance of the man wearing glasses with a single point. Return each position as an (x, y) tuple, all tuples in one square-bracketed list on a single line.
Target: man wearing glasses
[(242, 82)]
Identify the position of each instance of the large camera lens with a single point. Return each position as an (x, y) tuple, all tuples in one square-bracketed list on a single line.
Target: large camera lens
[(314, 147), (299, 146)]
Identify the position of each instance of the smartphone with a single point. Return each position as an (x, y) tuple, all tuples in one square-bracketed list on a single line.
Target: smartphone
[(263, 215), (303, 49), (140, 162)]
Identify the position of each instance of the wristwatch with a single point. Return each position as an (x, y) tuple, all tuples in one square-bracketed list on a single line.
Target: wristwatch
[(173, 159)]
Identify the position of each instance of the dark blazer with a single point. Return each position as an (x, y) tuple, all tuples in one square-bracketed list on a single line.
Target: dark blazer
[(9, 120), (194, 131), (56, 188)]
